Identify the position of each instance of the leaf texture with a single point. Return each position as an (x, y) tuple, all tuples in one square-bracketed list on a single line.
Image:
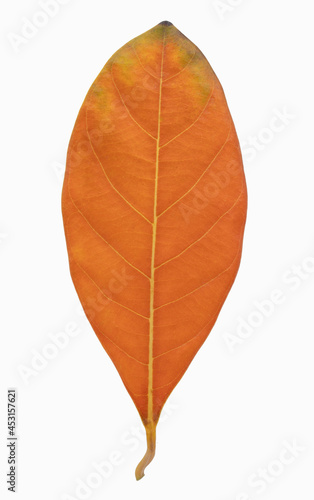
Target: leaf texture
[(154, 206)]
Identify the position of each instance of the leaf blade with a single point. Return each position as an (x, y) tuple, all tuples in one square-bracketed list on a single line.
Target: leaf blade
[(154, 157)]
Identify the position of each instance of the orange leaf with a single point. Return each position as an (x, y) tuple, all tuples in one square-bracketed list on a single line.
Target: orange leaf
[(154, 207)]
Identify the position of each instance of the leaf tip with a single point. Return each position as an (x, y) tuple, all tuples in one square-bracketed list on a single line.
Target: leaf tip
[(165, 23)]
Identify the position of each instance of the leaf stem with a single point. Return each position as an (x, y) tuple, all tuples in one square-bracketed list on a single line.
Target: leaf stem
[(150, 452)]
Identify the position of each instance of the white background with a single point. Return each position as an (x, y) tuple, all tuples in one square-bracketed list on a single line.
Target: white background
[(235, 408)]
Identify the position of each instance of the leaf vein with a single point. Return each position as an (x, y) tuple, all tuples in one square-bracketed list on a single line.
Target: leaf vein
[(190, 126), (100, 236), (104, 171), (120, 348), (127, 109), (109, 298), (139, 60), (199, 332), (201, 286), (203, 235), (201, 176), (183, 69)]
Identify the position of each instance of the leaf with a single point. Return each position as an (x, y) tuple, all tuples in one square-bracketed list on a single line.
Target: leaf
[(154, 207)]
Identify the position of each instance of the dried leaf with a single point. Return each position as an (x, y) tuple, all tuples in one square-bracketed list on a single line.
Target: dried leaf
[(154, 207)]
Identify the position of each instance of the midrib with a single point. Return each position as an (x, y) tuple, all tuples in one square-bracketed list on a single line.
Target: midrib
[(152, 278)]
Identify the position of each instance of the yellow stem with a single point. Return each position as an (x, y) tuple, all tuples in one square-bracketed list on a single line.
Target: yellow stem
[(150, 452)]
